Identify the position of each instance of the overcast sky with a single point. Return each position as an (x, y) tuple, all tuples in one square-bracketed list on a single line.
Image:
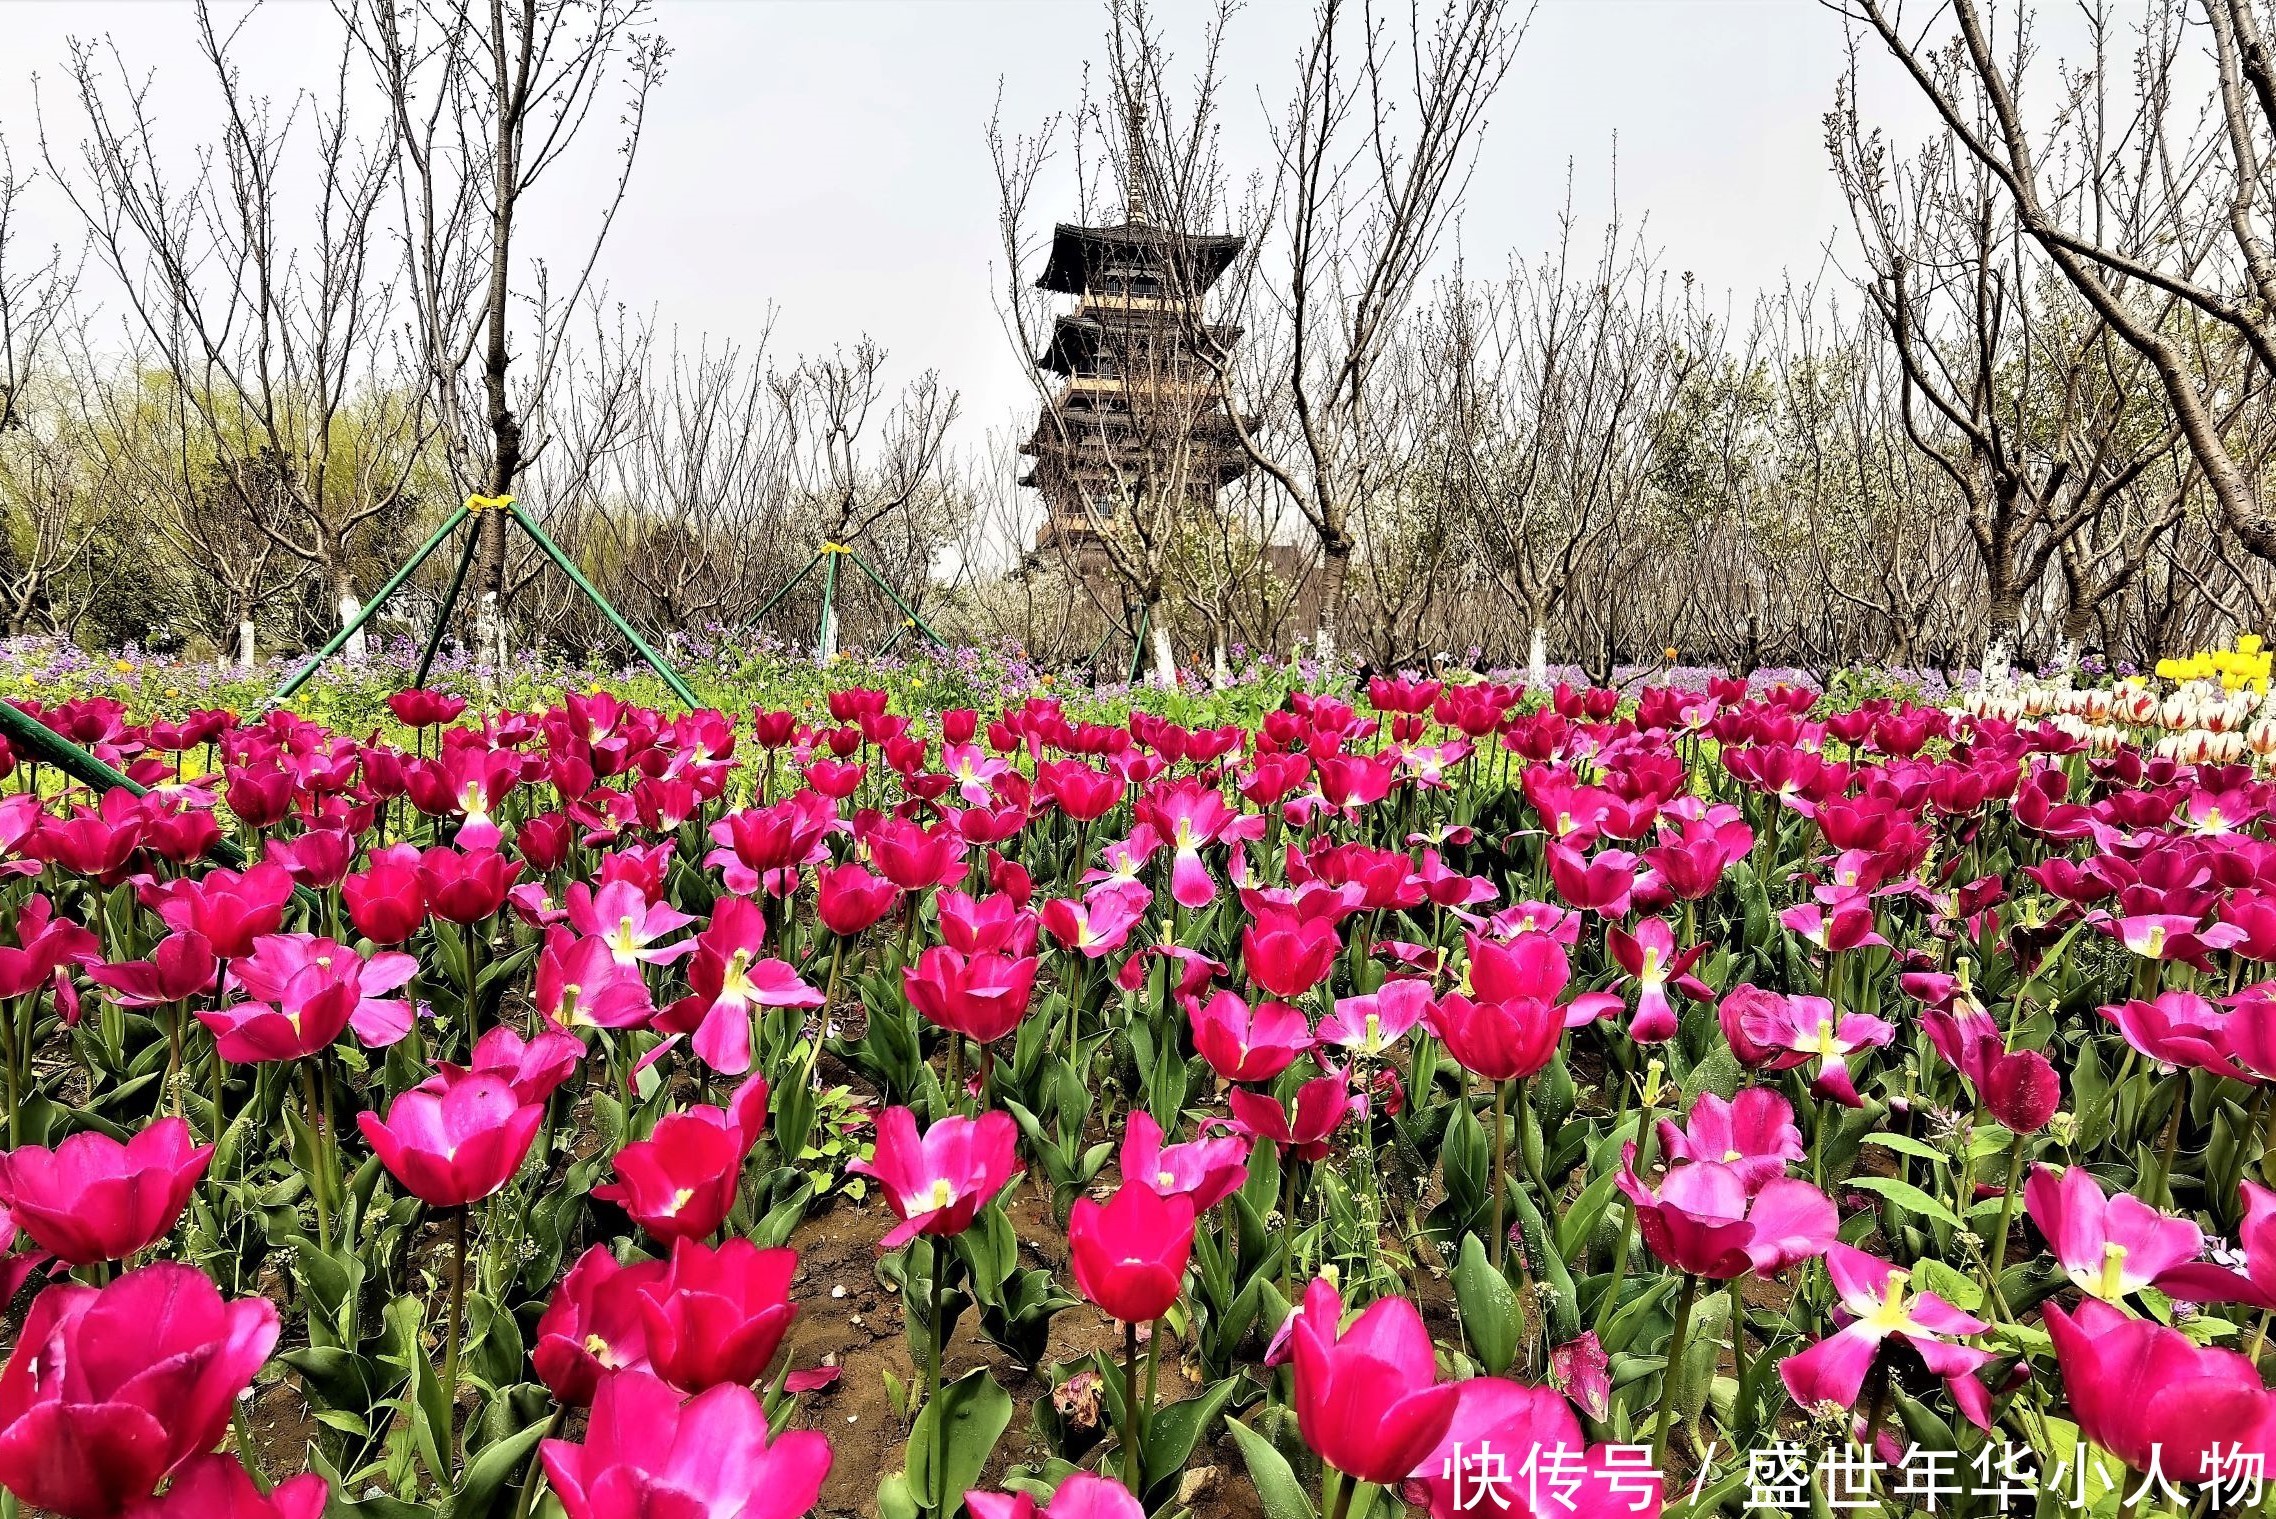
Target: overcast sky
[(825, 158)]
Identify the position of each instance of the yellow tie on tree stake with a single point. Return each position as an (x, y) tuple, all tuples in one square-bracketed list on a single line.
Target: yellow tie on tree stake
[(479, 504)]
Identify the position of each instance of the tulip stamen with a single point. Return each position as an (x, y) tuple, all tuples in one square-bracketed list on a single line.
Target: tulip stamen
[(2111, 1287)]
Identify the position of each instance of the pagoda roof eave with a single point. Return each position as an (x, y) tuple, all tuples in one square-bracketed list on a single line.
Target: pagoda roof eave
[(1077, 251)]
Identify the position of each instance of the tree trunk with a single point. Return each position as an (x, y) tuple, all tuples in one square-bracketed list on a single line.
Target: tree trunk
[(505, 428), (1158, 636), (246, 654), (1537, 658), (1335, 575), (351, 607)]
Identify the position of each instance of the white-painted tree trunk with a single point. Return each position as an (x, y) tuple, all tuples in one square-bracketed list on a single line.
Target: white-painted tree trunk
[(246, 656), (826, 644), (1165, 661), (1537, 659), (350, 609), (1221, 669)]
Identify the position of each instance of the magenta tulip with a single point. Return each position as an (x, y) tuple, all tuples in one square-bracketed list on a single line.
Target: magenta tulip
[(937, 1184), (682, 1179), (1754, 1134), (1368, 1398), (1702, 1219), (717, 1315), (217, 1487), (1204, 1171), (1877, 1306), (454, 1140), (646, 1455), (2146, 1393), (594, 1325), (2109, 1247), (110, 1389), (92, 1198), (1130, 1254)]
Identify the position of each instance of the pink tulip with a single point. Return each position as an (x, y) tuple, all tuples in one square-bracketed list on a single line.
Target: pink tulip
[(2148, 1395), (465, 888), (1754, 1134), (1874, 1302), (92, 1198), (454, 1140), (1287, 954), (110, 1389), (1368, 1398), (1372, 1024), (849, 899), (1703, 1219), (181, 966), (981, 996), (1205, 1171), (1583, 1372), (621, 916), (1100, 923), (581, 984), (304, 992), (1248, 1043), (1500, 1041), (1600, 885), (1080, 1496), (594, 1325), (229, 908), (2108, 1247), (2177, 1029), (995, 924), (681, 1181), (1322, 1105), (217, 1487), (1130, 1255), (646, 1455), (1796, 1030), (2021, 1089), (2204, 1282), (317, 859), (936, 1184), (728, 981), (534, 1068), (717, 1315), (1649, 957)]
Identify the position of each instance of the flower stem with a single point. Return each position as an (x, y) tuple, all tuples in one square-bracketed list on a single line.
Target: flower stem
[(1673, 1375), (932, 1373), (1501, 1167), (452, 1335), (318, 1173), (1876, 1400), (2172, 1146), (1738, 1360), (1288, 1227), (2007, 1209), (1646, 1134), (1132, 1475)]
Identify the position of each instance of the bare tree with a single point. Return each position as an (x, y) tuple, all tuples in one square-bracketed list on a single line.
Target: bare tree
[(1371, 160), (2161, 226), (277, 342), (486, 100), (1555, 380), (2020, 393)]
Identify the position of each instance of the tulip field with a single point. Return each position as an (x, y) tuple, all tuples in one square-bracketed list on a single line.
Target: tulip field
[(1433, 1097)]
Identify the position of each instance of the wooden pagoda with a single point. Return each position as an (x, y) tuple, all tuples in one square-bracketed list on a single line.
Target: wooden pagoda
[(1135, 415)]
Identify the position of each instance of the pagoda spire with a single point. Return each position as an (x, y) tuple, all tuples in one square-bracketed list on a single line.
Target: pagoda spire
[(1134, 122)]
